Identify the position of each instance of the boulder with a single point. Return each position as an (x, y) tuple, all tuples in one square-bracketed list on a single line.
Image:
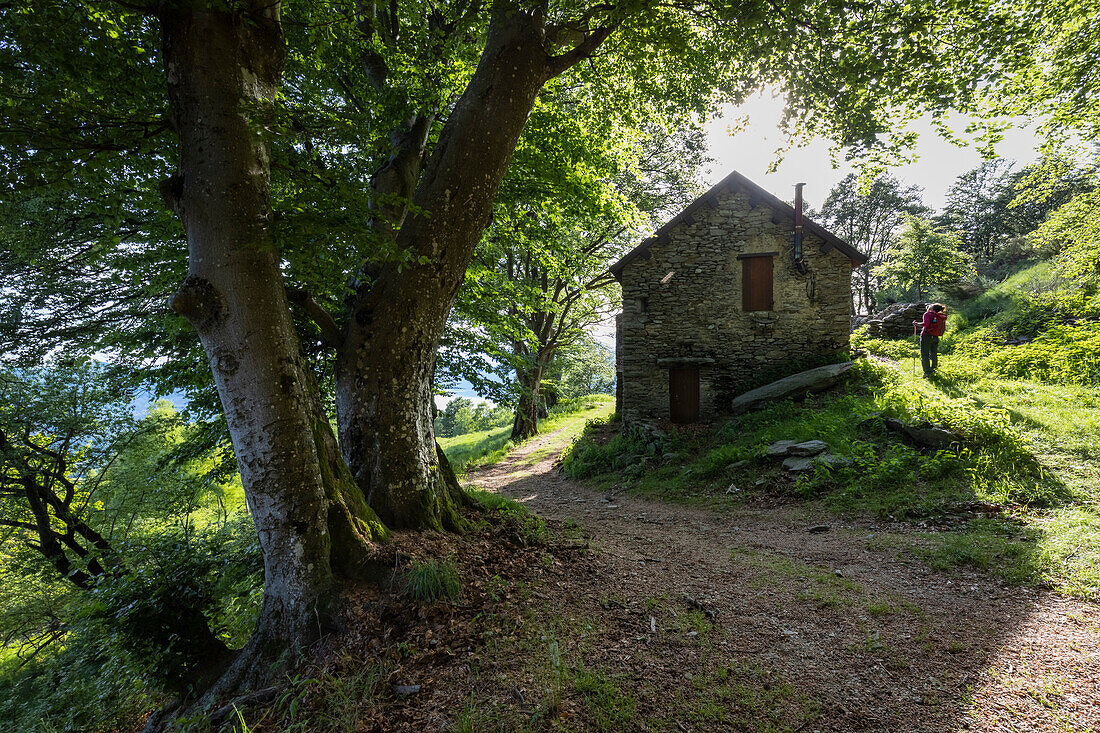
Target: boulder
[(893, 322), (795, 385)]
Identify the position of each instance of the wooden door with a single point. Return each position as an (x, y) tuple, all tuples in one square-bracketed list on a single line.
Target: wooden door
[(683, 394)]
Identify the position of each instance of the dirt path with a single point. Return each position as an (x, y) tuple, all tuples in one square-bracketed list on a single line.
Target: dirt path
[(763, 619)]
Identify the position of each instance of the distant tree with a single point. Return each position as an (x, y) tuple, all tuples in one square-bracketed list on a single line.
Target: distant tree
[(1073, 231), (921, 258), (868, 219), (572, 203), (488, 416), (585, 367), (1046, 185), (462, 416), (457, 418), (976, 208), (988, 206)]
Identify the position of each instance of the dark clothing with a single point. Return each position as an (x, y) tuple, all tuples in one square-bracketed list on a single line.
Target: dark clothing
[(929, 359), (933, 324)]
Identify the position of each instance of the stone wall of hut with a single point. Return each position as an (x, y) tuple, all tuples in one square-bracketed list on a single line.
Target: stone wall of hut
[(682, 306)]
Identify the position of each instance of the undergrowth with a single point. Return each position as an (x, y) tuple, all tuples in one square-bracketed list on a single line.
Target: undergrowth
[(522, 527)]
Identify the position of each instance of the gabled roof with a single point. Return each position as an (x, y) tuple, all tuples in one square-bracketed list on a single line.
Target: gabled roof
[(735, 182)]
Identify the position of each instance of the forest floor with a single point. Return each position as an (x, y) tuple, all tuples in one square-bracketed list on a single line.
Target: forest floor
[(598, 611)]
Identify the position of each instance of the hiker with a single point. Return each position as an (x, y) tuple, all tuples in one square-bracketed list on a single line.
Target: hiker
[(935, 318)]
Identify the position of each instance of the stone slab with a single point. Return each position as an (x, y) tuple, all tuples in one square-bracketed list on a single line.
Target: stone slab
[(793, 386), (809, 448), (779, 449)]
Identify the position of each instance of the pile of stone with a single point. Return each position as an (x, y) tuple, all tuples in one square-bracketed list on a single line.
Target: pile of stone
[(892, 322), (800, 457)]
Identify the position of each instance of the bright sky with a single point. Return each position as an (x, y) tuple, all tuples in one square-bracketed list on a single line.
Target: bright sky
[(754, 148)]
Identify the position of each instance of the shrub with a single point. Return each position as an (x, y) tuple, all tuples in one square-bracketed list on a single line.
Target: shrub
[(1067, 354), (585, 457), (122, 643), (890, 349), (180, 581), (523, 526)]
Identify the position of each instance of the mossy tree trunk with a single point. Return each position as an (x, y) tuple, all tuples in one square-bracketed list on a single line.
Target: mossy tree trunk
[(396, 317), (223, 65)]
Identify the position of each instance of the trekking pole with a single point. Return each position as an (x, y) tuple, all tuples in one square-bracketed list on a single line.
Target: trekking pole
[(916, 338)]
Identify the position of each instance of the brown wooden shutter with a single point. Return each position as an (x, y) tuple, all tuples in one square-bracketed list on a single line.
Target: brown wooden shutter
[(756, 284)]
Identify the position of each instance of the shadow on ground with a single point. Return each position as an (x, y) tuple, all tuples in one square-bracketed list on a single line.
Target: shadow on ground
[(684, 619)]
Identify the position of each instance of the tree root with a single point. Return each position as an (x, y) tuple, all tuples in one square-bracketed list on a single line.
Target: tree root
[(278, 646)]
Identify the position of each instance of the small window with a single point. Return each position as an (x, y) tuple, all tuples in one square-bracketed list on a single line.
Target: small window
[(756, 283), (643, 305)]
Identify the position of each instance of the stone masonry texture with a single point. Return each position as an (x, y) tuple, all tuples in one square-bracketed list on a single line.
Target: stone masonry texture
[(683, 302)]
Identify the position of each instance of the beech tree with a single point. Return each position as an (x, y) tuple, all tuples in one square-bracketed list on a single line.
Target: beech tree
[(571, 204), (991, 204)]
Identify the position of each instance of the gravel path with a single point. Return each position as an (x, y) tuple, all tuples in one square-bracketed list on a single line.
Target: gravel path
[(856, 633)]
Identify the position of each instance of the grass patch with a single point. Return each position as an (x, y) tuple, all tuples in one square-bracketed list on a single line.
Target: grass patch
[(429, 581), (740, 696), (475, 449), (608, 705), (522, 527)]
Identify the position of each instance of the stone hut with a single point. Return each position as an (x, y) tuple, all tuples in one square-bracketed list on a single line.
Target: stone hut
[(723, 295)]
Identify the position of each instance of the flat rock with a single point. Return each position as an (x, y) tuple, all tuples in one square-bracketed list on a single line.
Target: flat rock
[(809, 448), (798, 464), (930, 436), (793, 386), (780, 448)]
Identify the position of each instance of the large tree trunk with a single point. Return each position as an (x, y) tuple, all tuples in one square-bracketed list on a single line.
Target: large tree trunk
[(526, 423), (223, 65), (384, 368)]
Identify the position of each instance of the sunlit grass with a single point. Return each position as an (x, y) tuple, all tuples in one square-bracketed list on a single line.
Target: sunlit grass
[(466, 452), (1057, 545), (472, 449)]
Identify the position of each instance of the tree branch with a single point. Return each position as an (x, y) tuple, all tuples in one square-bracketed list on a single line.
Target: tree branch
[(557, 64), (331, 335)]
